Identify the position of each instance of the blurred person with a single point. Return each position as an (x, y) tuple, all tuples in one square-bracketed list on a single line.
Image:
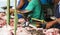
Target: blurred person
[(55, 23), (34, 10)]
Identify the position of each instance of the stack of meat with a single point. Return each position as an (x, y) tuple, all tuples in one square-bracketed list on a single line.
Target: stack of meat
[(9, 29)]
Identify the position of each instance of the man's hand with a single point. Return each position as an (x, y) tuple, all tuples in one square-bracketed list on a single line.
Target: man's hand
[(49, 24), (12, 11), (24, 11), (58, 20)]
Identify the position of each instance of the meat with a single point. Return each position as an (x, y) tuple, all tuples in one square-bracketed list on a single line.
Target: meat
[(5, 30), (11, 22), (2, 19), (21, 20), (9, 30), (2, 22), (2, 14), (52, 31), (21, 31)]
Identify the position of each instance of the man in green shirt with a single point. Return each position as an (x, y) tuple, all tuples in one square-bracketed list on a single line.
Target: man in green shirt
[(34, 10)]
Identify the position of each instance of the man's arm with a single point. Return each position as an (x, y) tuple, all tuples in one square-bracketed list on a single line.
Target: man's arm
[(24, 11), (49, 24), (22, 2)]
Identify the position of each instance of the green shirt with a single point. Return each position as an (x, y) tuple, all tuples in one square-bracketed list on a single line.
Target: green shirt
[(35, 7)]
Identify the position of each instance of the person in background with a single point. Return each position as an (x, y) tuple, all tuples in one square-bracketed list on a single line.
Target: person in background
[(55, 23), (47, 8), (34, 10)]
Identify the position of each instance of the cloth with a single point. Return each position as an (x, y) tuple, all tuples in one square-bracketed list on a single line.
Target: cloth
[(35, 7), (24, 6)]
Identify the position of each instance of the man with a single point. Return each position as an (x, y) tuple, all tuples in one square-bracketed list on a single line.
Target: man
[(55, 23), (34, 10)]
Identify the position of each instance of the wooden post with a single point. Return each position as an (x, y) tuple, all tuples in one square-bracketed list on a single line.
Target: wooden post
[(15, 18), (7, 13)]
